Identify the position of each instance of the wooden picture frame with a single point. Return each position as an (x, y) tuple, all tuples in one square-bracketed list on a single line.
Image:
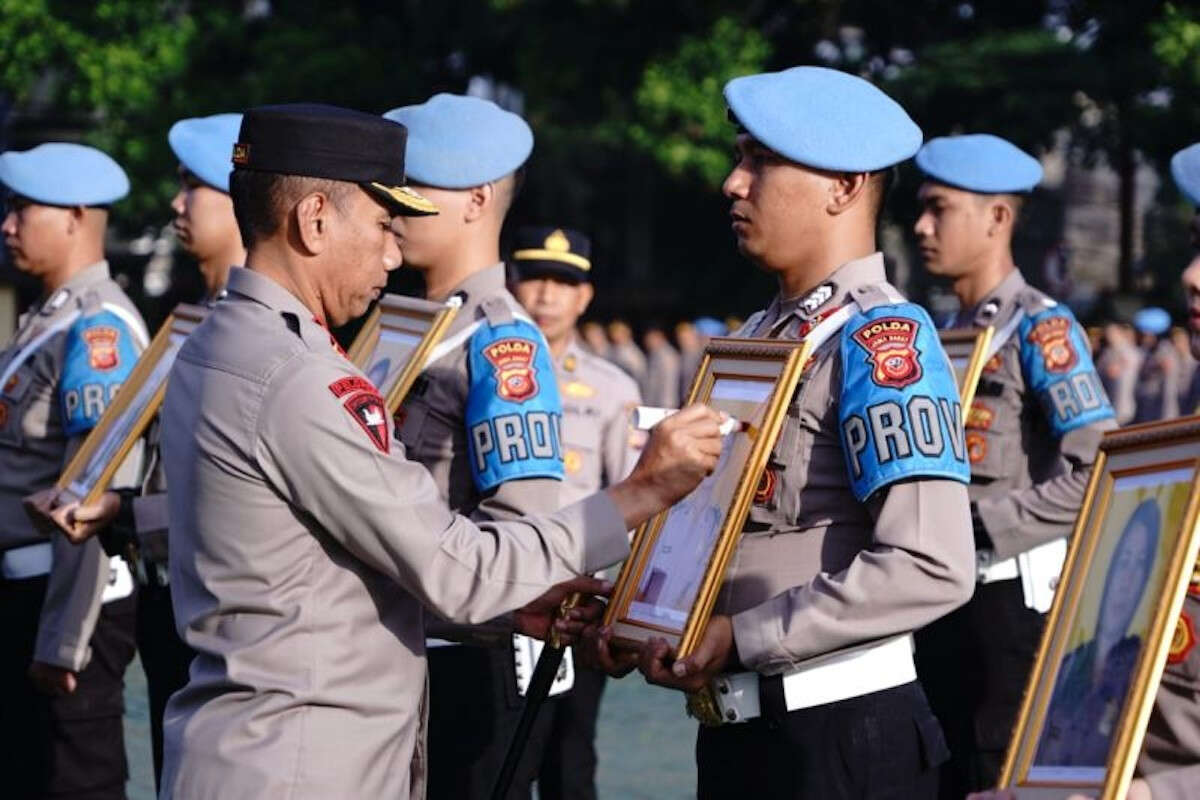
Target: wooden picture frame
[(967, 350), (753, 380), (396, 341), (1137, 533), (91, 469)]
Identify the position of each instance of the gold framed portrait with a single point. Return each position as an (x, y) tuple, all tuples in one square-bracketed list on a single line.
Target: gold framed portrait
[(91, 469), (397, 340), (967, 350), (668, 585), (1111, 627)]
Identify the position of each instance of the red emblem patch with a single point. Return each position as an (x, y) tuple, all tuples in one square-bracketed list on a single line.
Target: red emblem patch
[(891, 343), (976, 447), (980, 417), (1183, 640), (102, 347), (1053, 335), (344, 386), (369, 412), (766, 487), (516, 377), (993, 364)]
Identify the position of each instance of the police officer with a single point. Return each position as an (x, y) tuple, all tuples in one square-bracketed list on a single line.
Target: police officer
[(1032, 435), (133, 522), (859, 531), (1156, 388), (662, 369), (484, 442), (65, 610), (552, 269), (302, 544)]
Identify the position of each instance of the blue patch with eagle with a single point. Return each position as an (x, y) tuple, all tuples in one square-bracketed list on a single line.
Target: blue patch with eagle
[(1058, 369), (99, 353)]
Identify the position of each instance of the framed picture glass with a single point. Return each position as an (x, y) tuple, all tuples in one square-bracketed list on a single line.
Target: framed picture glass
[(91, 470), (967, 348), (397, 340), (669, 583), (1110, 629)]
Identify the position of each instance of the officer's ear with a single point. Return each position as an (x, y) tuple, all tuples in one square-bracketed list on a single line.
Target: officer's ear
[(846, 189), (1001, 215), (480, 201), (311, 220), (583, 297)]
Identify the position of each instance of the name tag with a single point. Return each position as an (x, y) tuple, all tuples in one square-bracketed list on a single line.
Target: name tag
[(526, 652)]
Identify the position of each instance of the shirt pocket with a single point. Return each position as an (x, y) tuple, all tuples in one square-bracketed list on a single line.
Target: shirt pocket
[(581, 451), (16, 396)]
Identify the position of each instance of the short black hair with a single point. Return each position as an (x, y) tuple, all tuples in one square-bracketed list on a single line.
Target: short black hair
[(261, 200), (880, 184)]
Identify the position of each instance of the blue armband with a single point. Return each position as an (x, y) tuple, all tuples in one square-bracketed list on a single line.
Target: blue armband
[(899, 414), (1059, 371), (98, 355)]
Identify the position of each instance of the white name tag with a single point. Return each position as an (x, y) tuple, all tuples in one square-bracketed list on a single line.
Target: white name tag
[(120, 581), (526, 652)]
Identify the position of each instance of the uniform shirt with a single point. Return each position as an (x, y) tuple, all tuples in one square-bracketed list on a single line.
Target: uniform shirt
[(818, 567), (597, 399), (1157, 387), (1170, 759), (1118, 365), (68, 358), (302, 547), (1036, 422)]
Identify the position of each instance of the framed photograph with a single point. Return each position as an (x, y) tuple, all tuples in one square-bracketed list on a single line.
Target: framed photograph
[(397, 340), (91, 470), (1114, 616), (670, 581), (966, 348)]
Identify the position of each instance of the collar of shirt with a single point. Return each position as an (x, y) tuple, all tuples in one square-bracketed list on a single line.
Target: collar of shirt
[(831, 293), (259, 288), (90, 275), (999, 304), (480, 285)]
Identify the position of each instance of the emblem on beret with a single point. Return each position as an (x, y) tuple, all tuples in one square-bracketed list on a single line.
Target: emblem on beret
[(976, 447), (1183, 640), (241, 153), (557, 242), (980, 417), (890, 343), (1053, 335), (101, 342), (368, 410), (516, 377)]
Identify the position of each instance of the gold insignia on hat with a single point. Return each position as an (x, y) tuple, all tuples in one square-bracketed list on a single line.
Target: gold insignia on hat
[(555, 247), (557, 242), (409, 198), (241, 153)]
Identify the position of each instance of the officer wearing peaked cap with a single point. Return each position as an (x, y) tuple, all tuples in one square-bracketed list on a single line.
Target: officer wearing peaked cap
[(67, 610), (302, 544), (471, 414), (859, 531), (1032, 435), (552, 273)]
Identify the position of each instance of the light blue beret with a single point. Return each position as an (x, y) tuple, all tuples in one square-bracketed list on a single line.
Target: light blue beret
[(823, 118), (1185, 169), (1152, 320), (457, 142), (707, 326), (204, 146), (63, 174), (979, 162)]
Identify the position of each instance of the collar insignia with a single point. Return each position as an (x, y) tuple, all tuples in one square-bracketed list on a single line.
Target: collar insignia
[(817, 297)]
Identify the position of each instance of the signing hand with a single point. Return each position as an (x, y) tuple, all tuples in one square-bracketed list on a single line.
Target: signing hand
[(714, 655), (537, 618), (52, 680)]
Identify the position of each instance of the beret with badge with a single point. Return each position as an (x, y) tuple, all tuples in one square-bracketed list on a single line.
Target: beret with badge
[(981, 163), (545, 252), (459, 142), (203, 144), (63, 174), (1185, 169), (320, 141), (823, 118)]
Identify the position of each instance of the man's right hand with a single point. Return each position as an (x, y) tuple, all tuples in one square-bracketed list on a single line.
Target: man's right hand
[(682, 450), (77, 522)]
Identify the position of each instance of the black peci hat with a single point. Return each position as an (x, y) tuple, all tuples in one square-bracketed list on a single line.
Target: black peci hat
[(320, 141), (542, 251)]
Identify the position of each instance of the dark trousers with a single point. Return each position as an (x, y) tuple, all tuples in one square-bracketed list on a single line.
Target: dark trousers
[(881, 746), (165, 659), (62, 747), (975, 663), (473, 710), (569, 763)]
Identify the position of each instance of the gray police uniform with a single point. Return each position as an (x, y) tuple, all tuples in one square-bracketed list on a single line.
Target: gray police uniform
[(469, 405), (597, 399), (663, 376), (302, 550), (67, 359), (839, 562), (1032, 435)]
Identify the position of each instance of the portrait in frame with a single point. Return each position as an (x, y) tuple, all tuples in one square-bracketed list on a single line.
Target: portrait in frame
[(967, 348), (1111, 627), (397, 340), (91, 469), (669, 583)]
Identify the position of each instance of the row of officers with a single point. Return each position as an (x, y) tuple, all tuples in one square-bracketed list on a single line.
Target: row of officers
[(326, 599)]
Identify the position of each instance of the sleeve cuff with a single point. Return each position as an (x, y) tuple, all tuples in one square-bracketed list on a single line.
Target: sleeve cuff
[(757, 636), (62, 651), (601, 526)]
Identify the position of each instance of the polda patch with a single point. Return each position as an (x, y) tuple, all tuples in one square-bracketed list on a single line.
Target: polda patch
[(891, 348), (516, 376), (1053, 336), (101, 341)]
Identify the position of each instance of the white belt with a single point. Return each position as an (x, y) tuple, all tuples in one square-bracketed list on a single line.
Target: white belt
[(1038, 570), (29, 561), (989, 571), (826, 679)]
